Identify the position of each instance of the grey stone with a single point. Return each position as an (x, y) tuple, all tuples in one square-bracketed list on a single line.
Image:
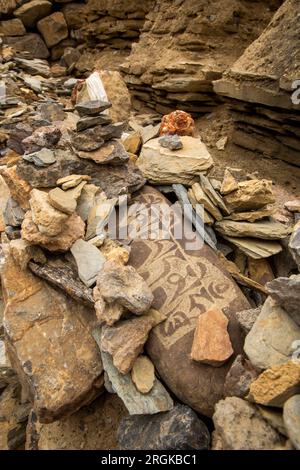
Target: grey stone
[(92, 108), (52, 112), (291, 417), (239, 378), (270, 340), (172, 142), (91, 121), (241, 426), (178, 429), (136, 403), (13, 214), (294, 244), (42, 158), (34, 66), (42, 137), (286, 292), (34, 83), (247, 318), (89, 261)]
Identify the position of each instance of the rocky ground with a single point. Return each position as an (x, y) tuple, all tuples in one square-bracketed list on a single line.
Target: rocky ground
[(132, 341)]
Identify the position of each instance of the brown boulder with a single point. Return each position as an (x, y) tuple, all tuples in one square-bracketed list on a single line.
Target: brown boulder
[(53, 28), (31, 12), (185, 283), (12, 28), (250, 195), (49, 344)]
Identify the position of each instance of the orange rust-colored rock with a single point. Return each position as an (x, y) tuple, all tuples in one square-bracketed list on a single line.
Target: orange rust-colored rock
[(178, 122)]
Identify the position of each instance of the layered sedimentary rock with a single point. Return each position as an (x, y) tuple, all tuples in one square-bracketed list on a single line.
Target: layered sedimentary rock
[(264, 84)]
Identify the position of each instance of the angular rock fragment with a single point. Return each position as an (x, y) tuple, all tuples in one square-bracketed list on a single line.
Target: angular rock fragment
[(241, 427), (229, 183), (276, 385), (250, 195), (19, 188), (42, 158), (91, 121), (293, 206), (108, 313), (270, 341), (291, 417), (34, 67), (178, 429), (43, 137), (251, 216), (62, 276), (247, 318), (212, 194), (203, 199), (211, 344), (254, 247), (91, 108), (267, 230), (89, 261), (163, 166), (49, 221), (12, 28), (71, 181), (73, 229), (31, 12), (62, 201), (239, 378), (155, 401), (13, 214), (69, 375), (113, 153), (114, 251), (23, 252), (53, 28), (125, 340), (286, 292), (171, 142), (12, 426), (124, 285), (87, 200), (294, 244)]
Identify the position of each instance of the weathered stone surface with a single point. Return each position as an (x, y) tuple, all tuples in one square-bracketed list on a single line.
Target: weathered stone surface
[(13, 214), (34, 67), (62, 201), (276, 385), (91, 108), (19, 189), (23, 252), (247, 318), (250, 195), (92, 427), (178, 429), (12, 424), (71, 181), (163, 166), (211, 344), (155, 401), (202, 198), (89, 261), (212, 194), (269, 342), (42, 137), (171, 142), (143, 374), (31, 12), (132, 143), (91, 121), (73, 229), (229, 183), (113, 179), (294, 244), (266, 230), (62, 276), (125, 341), (256, 248), (113, 152), (31, 43), (274, 417), (286, 292), (241, 426), (52, 111), (12, 28), (41, 158), (239, 378), (87, 200), (49, 221), (185, 283), (114, 251), (293, 206), (124, 285), (69, 375), (291, 417), (251, 216), (93, 139), (107, 313), (7, 7), (53, 28), (7, 375)]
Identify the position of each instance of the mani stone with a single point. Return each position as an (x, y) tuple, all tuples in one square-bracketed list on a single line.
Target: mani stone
[(125, 340), (53, 28), (89, 261), (124, 285), (276, 385), (267, 230), (62, 201), (160, 165), (49, 345), (178, 429), (270, 341), (250, 195), (143, 374), (92, 108), (286, 292), (211, 344), (42, 158), (241, 426), (156, 401), (291, 417)]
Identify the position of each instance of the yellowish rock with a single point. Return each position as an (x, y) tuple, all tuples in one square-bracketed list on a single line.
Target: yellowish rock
[(114, 251), (250, 195), (143, 374), (132, 143), (19, 188), (71, 181), (48, 220), (229, 183), (203, 199)]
